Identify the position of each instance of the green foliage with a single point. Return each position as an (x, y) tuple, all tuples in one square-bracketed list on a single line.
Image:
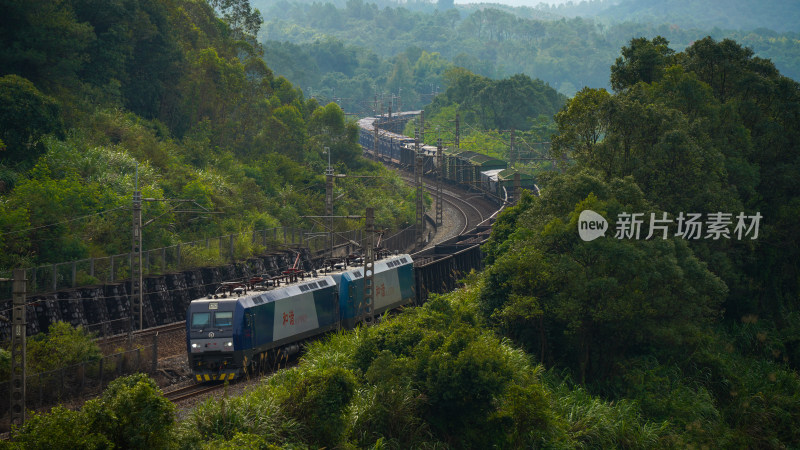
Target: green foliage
[(62, 345), (5, 364), (435, 365), (60, 428), (226, 421), (587, 304), (172, 93), (132, 413), (643, 61), (389, 410), (566, 46), (243, 20), (737, 14), (26, 115), (705, 129), (500, 105), (594, 423), (43, 41), (319, 402)]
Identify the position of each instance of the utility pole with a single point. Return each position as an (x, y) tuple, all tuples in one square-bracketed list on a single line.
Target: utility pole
[(458, 129), (418, 184), (329, 198), (511, 154), (18, 334), (439, 162), (365, 307), (422, 127), (137, 300), (137, 286), (517, 187)]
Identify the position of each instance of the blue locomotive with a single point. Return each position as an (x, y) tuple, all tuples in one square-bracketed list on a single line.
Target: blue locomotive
[(247, 325)]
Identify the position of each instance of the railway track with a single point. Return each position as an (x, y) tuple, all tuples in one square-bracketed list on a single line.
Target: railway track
[(235, 387), (472, 214), (194, 390), (470, 206), (166, 340), (121, 338)]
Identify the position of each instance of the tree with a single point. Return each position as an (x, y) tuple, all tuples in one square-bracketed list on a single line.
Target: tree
[(42, 41), (582, 123), (319, 401), (26, 115), (132, 413), (60, 428), (591, 305), (62, 345), (643, 61), (444, 5), (238, 14)]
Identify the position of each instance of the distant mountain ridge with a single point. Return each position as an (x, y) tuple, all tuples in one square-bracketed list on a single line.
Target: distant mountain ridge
[(777, 15)]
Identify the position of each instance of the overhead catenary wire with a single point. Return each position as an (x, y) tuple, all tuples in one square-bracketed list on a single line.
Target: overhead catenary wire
[(64, 221)]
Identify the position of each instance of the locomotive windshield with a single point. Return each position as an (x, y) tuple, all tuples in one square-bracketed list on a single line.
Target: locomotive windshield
[(223, 319), (201, 320)]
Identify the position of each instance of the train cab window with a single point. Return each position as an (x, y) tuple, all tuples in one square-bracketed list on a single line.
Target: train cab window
[(201, 320), (223, 319)]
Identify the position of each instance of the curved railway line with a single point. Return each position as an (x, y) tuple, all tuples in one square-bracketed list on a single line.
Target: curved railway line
[(191, 391), (473, 208)]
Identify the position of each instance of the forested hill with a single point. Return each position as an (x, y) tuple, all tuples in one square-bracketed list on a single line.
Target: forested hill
[(747, 15), (94, 92), (500, 42)]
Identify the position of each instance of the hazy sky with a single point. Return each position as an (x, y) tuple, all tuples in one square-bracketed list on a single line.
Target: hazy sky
[(517, 2)]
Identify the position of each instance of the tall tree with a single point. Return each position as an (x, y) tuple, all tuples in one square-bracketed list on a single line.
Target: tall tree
[(41, 40), (591, 305), (26, 115), (644, 61)]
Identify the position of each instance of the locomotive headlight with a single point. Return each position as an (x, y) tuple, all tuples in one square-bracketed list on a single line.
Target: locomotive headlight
[(194, 345), (229, 344)]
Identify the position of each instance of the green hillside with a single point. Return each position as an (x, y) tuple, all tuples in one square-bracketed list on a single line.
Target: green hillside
[(777, 15), (95, 92), (495, 41), (678, 328)]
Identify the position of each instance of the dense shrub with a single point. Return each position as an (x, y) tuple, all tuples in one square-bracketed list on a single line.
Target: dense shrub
[(319, 402), (60, 428), (132, 413), (230, 420), (61, 346)]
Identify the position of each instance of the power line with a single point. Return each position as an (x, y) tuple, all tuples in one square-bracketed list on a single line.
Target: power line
[(63, 222)]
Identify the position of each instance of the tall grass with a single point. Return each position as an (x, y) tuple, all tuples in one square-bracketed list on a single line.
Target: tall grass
[(259, 412), (594, 423)]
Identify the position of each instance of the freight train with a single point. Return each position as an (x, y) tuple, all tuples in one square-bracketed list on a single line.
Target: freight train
[(469, 169), (246, 326)]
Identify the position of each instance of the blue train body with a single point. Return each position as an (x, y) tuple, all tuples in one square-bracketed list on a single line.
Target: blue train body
[(229, 335)]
